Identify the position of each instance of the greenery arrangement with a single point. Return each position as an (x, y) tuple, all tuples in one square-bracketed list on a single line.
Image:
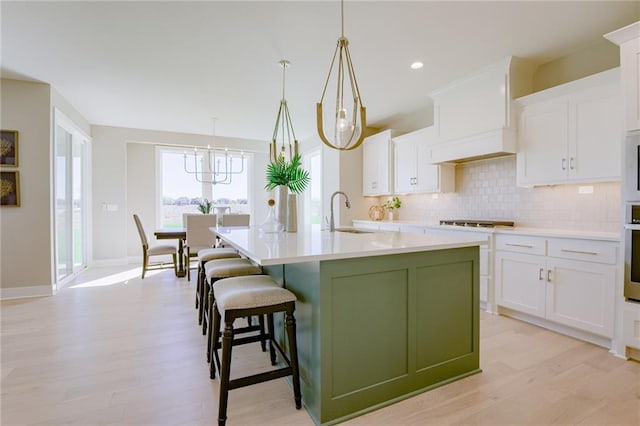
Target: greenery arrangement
[(290, 174), (392, 203), (205, 206)]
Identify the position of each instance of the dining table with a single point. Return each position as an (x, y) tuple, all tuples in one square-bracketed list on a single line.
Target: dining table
[(179, 234)]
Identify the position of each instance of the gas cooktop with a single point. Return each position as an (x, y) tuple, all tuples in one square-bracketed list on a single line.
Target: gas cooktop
[(477, 223)]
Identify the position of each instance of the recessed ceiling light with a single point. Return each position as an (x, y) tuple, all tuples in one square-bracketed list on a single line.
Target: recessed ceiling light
[(417, 65)]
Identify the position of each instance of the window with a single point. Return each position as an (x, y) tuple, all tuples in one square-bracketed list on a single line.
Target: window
[(70, 177), (181, 192)]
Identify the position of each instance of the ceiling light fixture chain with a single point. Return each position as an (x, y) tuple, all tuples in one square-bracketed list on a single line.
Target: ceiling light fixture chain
[(219, 165), (283, 126), (348, 130)]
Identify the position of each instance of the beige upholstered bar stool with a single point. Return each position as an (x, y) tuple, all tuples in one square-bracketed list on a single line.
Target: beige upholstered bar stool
[(215, 270), (245, 296), (204, 256)]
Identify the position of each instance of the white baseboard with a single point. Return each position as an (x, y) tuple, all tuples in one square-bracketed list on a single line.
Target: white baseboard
[(22, 292)]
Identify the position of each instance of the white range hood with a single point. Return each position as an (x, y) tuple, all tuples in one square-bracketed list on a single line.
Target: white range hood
[(474, 117), (494, 143)]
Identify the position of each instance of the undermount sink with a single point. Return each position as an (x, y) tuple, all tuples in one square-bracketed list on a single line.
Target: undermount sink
[(353, 231)]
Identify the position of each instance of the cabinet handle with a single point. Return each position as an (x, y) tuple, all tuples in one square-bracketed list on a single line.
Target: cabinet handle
[(593, 253), (564, 164), (540, 274), (518, 245), (571, 163), (549, 275)]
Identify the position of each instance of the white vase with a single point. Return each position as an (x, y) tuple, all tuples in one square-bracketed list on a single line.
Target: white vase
[(281, 193), (292, 213)]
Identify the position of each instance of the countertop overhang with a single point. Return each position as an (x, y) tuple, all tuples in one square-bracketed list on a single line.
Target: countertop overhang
[(312, 244)]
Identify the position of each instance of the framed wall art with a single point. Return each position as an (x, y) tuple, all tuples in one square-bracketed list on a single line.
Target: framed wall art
[(9, 148), (10, 188)]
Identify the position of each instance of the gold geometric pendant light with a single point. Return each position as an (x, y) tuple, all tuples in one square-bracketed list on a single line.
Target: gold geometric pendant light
[(283, 128), (346, 127)]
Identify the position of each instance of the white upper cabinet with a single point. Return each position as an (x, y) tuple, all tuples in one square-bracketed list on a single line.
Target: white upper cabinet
[(571, 133), (414, 172), (628, 38), (377, 164), (473, 117)]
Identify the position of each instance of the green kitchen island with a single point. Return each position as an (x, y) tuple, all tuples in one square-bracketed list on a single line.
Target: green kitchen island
[(381, 316)]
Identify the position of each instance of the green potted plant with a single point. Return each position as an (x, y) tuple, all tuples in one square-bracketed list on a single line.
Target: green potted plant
[(205, 206), (392, 204), (289, 174), (285, 176)]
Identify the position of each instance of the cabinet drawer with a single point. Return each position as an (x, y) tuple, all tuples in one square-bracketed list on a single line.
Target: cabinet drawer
[(590, 251), (521, 244)]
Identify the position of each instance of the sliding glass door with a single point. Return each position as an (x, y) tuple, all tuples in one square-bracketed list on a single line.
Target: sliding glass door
[(70, 204)]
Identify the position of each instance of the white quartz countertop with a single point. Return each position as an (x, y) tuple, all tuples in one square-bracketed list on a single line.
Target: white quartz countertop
[(516, 230), (312, 244)]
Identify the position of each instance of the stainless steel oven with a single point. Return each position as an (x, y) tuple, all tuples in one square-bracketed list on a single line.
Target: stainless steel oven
[(632, 252), (631, 178)]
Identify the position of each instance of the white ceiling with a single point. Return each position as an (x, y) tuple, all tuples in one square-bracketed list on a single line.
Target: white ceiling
[(174, 65)]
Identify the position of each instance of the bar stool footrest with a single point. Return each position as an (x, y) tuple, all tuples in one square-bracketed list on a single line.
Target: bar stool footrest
[(259, 378)]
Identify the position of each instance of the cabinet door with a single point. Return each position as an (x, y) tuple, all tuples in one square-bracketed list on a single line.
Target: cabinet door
[(520, 282), (581, 295), (630, 75), (596, 135), (405, 165), (427, 174), (542, 143), (377, 164), (369, 168)]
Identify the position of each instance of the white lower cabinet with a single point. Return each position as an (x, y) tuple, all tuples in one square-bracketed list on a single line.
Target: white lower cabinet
[(581, 295), (631, 325), (520, 282), (570, 282)]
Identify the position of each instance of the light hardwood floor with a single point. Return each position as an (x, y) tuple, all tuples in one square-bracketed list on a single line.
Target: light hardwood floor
[(114, 349)]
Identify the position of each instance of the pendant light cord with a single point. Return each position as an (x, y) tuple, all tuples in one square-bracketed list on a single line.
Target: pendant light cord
[(284, 69), (342, 15)]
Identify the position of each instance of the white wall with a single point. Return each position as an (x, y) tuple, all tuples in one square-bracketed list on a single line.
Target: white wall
[(27, 231), (26, 240), (141, 193), (124, 173)]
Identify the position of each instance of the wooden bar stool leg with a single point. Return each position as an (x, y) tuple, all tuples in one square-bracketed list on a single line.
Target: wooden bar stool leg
[(263, 341), (290, 322), (199, 297), (206, 293), (227, 343), (210, 325), (272, 351), (214, 342)]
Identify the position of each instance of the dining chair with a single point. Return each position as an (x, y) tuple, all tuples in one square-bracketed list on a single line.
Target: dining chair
[(157, 250), (199, 237), (236, 219)]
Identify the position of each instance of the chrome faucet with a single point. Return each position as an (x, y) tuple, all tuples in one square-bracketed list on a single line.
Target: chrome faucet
[(332, 226)]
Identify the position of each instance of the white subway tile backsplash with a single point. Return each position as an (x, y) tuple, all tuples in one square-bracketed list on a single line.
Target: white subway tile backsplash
[(487, 189)]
